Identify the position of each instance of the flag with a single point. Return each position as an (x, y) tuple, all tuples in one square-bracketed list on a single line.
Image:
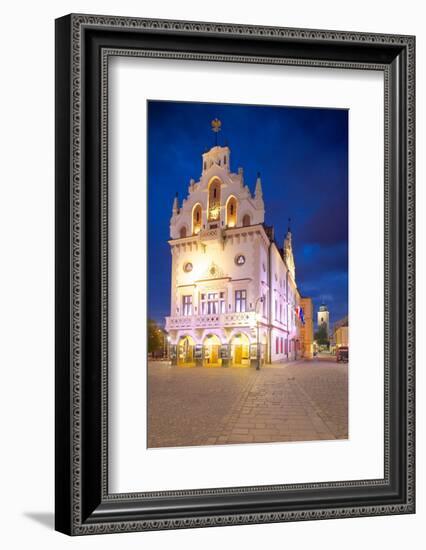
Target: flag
[(300, 315)]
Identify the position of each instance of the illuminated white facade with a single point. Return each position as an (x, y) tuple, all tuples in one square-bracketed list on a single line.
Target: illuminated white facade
[(231, 285)]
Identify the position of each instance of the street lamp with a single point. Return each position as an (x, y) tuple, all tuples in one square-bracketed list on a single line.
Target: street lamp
[(258, 317)]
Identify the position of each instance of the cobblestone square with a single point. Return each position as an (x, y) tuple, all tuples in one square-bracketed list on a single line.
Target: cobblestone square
[(298, 401)]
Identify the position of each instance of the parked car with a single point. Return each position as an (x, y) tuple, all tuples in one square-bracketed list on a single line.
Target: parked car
[(342, 354)]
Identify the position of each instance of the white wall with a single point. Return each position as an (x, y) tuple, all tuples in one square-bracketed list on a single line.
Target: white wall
[(26, 218)]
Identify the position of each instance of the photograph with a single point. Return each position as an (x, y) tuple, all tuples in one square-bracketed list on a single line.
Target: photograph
[(248, 321), (234, 274)]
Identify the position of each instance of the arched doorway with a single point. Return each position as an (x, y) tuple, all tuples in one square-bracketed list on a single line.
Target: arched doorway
[(211, 347), (185, 351), (240, 350)]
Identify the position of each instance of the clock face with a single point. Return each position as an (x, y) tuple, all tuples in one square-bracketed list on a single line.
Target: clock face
[(240, 259), (187, 267)]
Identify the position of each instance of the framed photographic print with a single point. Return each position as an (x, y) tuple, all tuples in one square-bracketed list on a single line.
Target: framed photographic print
[(234, 274)]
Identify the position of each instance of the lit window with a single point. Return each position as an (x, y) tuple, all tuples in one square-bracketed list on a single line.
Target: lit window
[(240, 300), (187, 305), (222, 302), (212, 303), (203, 304)]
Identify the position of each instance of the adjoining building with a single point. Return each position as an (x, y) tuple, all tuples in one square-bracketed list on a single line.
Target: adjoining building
[(233, 288), (341, 333)]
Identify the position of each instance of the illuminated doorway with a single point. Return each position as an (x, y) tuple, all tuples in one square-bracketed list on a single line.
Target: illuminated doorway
[(186, 352), (212, 351), (240, 350)]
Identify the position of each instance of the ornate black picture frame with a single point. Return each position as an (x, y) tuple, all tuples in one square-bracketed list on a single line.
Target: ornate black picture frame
[(83, 45)]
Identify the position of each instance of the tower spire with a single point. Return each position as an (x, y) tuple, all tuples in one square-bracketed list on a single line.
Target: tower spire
[(258, 193), (216, 128), (175, 205)]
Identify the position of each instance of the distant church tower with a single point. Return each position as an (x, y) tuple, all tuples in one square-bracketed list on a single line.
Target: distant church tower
[(324, 317)]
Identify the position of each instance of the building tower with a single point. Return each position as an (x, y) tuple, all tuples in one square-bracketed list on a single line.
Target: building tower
[(323, 317)]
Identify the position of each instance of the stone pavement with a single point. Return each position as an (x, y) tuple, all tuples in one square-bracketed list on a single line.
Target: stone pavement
[(299, 401)]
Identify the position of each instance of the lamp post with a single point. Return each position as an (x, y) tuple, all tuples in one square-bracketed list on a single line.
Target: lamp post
[(258, 354)]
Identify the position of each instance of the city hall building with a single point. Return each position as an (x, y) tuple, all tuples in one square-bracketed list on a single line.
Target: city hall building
[(234, 296)]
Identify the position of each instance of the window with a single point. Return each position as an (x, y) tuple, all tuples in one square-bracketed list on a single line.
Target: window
[(286, 347), (276, 309), (282, 343), (214, 200), (246, 220), (277, 345), (231, 212), (203, 304), (240, 300), (196, 219), (187, 305), (182, 232), (224, 160), (212, 303)]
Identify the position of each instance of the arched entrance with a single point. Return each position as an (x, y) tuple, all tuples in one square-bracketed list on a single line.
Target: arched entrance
[(211, 348), (240, 350), (185, 351)]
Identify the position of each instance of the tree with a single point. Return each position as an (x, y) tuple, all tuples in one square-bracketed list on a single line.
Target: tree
[(321, 335), (155, 337)]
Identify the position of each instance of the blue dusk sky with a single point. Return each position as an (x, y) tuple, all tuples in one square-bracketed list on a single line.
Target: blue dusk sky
[(302, 156)]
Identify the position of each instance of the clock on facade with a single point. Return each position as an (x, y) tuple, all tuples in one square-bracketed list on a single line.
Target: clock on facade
[(240, 259), (187, 267)]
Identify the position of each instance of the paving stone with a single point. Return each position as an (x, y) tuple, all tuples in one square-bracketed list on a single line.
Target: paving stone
[(292, 402)]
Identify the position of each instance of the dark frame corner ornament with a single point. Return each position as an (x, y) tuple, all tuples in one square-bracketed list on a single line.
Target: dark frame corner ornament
[(83, 45)]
